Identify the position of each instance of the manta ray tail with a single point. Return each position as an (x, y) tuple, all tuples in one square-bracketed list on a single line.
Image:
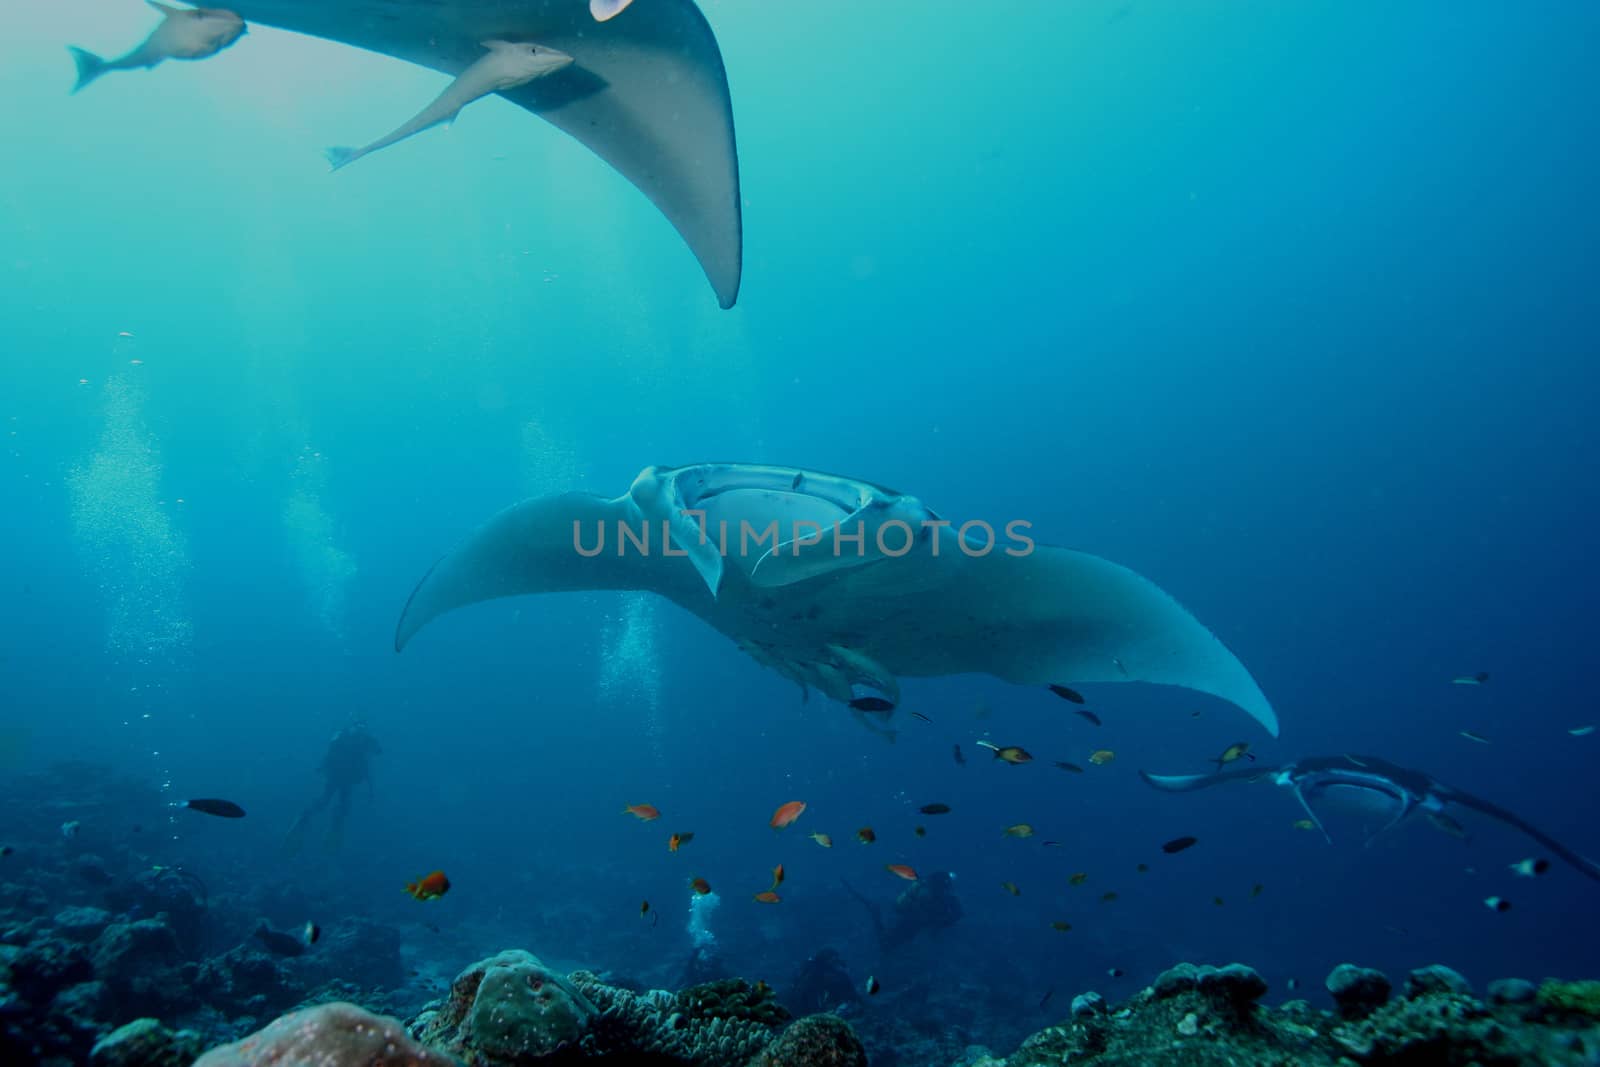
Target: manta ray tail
[(341, 156), (90, 66)]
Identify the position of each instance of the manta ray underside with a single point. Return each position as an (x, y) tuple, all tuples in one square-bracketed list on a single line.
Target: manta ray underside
[(848, 586), (646, 91)]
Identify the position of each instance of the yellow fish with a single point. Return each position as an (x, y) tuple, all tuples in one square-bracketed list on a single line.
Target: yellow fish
[(1101, 757), (1022, 829)]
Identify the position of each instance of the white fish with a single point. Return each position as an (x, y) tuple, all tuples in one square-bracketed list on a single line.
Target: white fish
[(70, 829), (184, 33), (1581, 731), (507, 66), (1470, 736)]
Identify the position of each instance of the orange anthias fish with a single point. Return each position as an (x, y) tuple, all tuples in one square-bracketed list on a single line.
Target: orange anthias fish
[(823, 839), (787, 813), (866, 836), (900, 870), (678, 839), (769, 897), (432, 887), (700, 886), (777, 876), (642, 811)]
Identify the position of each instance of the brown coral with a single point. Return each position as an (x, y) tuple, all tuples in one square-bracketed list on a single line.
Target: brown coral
[(329, 1035)]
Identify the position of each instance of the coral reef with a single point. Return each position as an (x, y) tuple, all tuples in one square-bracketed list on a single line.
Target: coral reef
[(508, 1009), (511, 1009), (815, 1041), (1570, 998), (1200, 1016), (329, 1035), (1359, 991), (145, 1043), (719, 1024)]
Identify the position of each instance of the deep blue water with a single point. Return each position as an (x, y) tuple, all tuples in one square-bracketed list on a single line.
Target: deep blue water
[(1289, 308)]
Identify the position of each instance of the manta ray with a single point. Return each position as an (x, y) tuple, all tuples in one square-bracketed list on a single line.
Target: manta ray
[(646, 90), (1396, 791), (843, 586)]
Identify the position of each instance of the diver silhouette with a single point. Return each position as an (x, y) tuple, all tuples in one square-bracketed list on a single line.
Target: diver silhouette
[(929, 904), (345, 765)]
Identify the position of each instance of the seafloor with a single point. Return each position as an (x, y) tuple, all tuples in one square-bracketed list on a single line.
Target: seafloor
[(108, 961)]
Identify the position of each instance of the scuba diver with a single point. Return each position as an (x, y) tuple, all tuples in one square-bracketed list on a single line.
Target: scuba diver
[(1395, 791), (929, 904), (345, 765)]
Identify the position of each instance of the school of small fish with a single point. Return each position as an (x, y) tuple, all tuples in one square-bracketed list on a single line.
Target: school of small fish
[(435, 885)]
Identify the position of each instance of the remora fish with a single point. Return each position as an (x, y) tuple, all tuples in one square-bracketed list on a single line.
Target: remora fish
[(507, 66), (192, 33)]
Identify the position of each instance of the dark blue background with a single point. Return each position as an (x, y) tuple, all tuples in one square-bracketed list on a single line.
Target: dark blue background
[(1289, 308)]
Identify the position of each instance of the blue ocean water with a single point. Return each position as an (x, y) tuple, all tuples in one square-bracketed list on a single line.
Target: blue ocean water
[(1288, 307)]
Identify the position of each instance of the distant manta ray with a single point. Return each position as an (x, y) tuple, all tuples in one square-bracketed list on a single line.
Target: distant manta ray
[(646, 91), (897, 594), (1395, 790)]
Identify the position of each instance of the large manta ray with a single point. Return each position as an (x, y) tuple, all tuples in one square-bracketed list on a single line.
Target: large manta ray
[(1369, 781), (646, 91), (842, 586)]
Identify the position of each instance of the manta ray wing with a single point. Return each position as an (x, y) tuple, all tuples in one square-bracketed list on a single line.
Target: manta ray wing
[(1051, 615), (647, 91), (533, 547), (1584, 866)]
